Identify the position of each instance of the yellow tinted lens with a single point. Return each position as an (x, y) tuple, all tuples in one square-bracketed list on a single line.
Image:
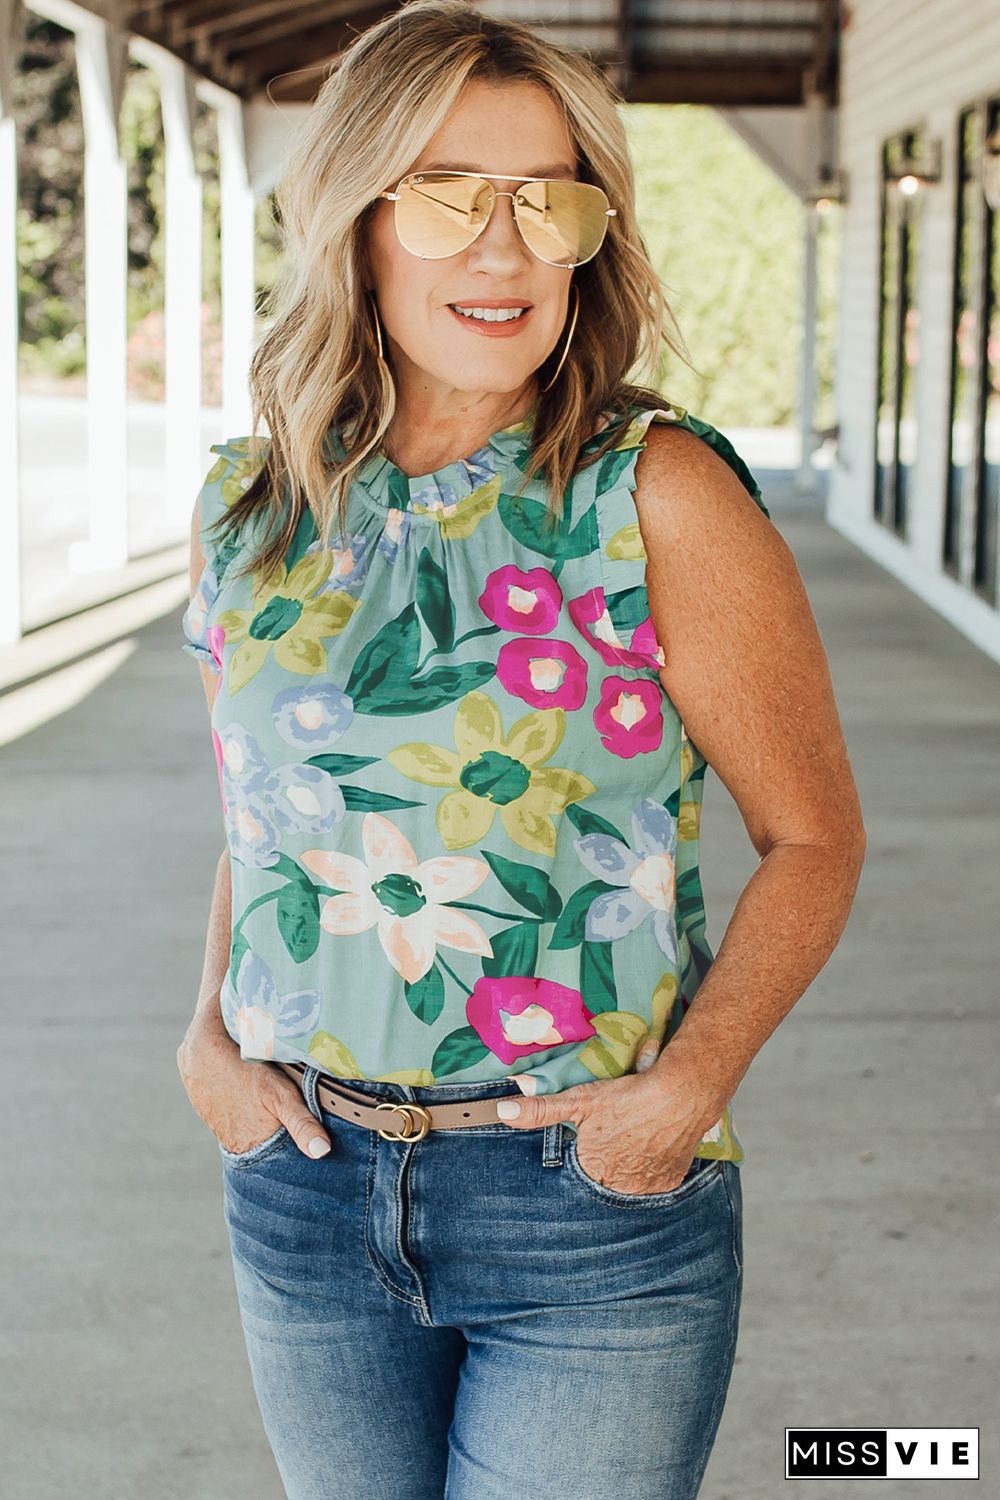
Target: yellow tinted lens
[(438, 215), (564, 223)]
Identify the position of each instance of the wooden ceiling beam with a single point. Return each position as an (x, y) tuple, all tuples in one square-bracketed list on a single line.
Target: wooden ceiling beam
[(724, 85), (310, 48), (646, 25), (216, 21), (287, 46), (825, 71)]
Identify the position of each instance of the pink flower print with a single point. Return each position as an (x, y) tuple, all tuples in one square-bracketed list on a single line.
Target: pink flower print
[(589, 613), (546, 674), (518, 1015), (216, 637), (527, 603), (405, 898), (629, 716), (217, 746), (645, 645)]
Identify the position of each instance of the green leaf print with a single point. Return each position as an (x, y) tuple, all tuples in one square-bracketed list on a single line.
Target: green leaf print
[(359, 799), (458, 1050), (515, 951), (384, 680), (341, 765), (611, 467), (290, 870), (434, 601), (529, 886), (526, 524), (236, 952), (388, 661), (425, 996), (585, 821), (597, 977), (298, 920), (628, 608), (689, 897), (435, 689), (569, 930), (399, 489)]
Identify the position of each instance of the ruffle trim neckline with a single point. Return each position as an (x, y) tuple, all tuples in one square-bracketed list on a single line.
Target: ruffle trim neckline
[(439, 495), (436, 495)]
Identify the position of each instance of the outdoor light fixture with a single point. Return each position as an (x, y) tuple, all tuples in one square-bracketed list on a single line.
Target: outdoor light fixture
[(829, 188), (912, 173), (991, 169)]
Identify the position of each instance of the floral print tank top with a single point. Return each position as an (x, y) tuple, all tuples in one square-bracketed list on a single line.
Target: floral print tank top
[(462, 811)]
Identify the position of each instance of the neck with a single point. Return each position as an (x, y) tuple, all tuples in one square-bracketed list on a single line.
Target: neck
[(425, 433)]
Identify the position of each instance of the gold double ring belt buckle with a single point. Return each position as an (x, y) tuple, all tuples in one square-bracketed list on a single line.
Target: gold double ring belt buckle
[(411, 1131)]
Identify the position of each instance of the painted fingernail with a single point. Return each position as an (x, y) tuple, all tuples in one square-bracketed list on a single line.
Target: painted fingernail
[(508, 1109)]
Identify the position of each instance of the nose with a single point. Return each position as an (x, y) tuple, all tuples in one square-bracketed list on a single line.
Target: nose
[(500, 247)]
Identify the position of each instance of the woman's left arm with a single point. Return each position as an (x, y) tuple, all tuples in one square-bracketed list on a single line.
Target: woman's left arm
[(746, 670)]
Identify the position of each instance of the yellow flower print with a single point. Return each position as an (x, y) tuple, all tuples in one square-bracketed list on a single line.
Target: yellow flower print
[(459, 520), (635, 433), (609, 1054), (488, 772), (237, 474), (290, 616), (626, 544)]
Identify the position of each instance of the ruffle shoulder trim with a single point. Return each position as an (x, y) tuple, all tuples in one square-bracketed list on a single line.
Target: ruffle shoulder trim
[(627, 628)]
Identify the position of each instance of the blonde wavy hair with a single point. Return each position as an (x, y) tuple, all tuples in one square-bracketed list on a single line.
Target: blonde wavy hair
[(317, 366)]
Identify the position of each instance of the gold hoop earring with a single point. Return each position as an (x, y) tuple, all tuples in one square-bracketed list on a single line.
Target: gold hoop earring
[(378, 326), (569, 337)]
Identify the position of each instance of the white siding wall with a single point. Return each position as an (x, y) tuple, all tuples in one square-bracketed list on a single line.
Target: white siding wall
[(906, 63)]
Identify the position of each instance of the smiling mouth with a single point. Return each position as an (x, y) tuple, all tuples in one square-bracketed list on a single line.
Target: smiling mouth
[(486, 314), (498, 322)]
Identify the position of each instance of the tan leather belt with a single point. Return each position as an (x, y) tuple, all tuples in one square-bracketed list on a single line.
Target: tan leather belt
[(403, 1121)]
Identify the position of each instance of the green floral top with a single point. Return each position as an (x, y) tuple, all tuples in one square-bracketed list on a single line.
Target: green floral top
[(461, 809)]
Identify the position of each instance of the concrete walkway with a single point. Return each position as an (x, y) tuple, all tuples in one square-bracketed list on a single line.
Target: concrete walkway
[(870, 1119)]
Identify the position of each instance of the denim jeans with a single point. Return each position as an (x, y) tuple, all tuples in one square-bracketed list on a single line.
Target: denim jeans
[(470, 1316)]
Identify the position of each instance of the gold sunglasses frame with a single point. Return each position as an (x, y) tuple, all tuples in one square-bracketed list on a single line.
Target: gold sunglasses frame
[(393, 196)]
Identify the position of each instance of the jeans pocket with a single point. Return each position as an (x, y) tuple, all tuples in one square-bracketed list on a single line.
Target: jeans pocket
[(267, 1147), (703, 1170)]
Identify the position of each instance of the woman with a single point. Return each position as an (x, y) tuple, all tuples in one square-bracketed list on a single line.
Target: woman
[(471, 627)]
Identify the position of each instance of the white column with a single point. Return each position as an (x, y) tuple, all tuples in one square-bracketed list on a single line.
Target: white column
[(102, 51), (805, 478), (11, 27), (238, 287), (185, 462)]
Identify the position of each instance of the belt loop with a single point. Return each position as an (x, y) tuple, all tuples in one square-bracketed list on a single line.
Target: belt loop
[(309, 1080), (552, 1145)]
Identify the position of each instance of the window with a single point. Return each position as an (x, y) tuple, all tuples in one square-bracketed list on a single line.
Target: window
[(969, 542), (898, 338)]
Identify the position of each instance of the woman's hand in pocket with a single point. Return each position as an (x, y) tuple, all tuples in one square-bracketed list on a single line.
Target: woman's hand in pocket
[(242, 1102)]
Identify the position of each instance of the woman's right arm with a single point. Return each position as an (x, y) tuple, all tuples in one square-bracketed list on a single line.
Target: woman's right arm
[(207, 1014), (241, 1105)]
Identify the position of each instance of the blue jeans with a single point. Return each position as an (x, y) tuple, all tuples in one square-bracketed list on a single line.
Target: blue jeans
[(471, 1317)]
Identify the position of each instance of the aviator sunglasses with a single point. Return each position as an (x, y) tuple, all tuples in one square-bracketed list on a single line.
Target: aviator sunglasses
[(437, 214)]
